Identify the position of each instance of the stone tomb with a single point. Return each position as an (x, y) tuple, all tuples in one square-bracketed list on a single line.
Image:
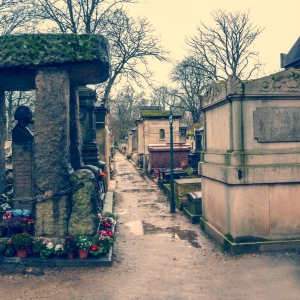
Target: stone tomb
[(54, 65), (250, 165)]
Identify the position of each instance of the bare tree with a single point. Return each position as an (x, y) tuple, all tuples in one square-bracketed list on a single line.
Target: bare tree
[(225, 49), (124, 110), (75, 16), (191, 81), (132, 43), (15, 18)]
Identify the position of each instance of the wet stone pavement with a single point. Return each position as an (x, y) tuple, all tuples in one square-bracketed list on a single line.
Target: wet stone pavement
[(159, 255)]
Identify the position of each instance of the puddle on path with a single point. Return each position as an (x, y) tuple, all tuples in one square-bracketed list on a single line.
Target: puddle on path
[(138, 191), (144, 228)]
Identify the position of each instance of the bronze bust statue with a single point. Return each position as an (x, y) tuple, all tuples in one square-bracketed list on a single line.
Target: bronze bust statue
[(21, 133)]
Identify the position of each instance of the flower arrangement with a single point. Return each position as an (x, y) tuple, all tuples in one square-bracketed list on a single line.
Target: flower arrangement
[(20, 212), (43, 247), (22, 241), (83, 243), (59, 250), (106, 240), (106, 222), (20, 224), (96, 250), (70, 244)]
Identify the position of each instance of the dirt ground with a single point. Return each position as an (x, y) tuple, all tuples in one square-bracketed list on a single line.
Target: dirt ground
[(159, 255)]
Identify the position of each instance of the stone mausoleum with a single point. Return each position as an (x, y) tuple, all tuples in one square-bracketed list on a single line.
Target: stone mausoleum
[(250, 163)]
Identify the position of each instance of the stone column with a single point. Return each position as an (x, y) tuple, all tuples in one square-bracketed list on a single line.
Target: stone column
[(52, 143), (87, 99), (75, 130), (2, 141)]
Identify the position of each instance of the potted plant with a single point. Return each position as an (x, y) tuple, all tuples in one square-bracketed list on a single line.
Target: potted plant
[(22, 242), (43, 247), (83, 245), (59, 250), (95, 250), (70, 246), (106, 240)]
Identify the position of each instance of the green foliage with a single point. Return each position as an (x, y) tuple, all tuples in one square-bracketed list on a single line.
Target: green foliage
[(83, 243), (22, 241), (110, 215), (43, 247), (154, 113), (6, 248)]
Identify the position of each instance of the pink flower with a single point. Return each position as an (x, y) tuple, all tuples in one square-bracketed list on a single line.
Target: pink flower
[(110, 232)]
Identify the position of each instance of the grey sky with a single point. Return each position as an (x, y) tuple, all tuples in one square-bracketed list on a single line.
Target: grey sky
[(176, 19)]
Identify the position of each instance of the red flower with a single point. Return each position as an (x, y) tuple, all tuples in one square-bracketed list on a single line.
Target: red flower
[(102, 174), (110, 232), (95, 248), (106, 224)]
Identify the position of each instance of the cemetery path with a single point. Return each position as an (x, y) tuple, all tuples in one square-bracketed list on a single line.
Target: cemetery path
[(159, 255)]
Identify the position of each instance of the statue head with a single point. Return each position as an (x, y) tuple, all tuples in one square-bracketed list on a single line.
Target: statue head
[(23, 115)]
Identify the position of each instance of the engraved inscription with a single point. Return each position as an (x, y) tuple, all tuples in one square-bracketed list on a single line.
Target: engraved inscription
[(22, 173), (276, 124)]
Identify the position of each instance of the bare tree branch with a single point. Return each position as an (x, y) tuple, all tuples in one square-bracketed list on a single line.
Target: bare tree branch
[(225, 48)]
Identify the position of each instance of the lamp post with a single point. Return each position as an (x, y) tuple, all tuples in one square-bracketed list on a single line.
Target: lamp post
[(172, 201)]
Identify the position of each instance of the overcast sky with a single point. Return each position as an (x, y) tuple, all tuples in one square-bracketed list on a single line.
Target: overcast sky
[(176, 19)]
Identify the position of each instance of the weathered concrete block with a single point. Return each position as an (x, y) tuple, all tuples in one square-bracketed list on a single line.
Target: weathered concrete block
[(83, 219), (187, 185), (85, 56)]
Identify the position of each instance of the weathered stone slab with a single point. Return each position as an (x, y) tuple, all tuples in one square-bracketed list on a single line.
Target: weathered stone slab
[(85, 56), (83, 219), (276, 124), (52, 147), (22, 173)]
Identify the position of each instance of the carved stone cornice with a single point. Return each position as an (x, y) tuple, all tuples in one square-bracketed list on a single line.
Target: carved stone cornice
[(234, 86)]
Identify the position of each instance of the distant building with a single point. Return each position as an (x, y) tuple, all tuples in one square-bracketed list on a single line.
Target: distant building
[(152, 128)]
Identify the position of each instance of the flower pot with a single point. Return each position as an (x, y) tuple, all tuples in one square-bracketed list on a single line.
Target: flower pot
[(21, 253), (83, 253), (70, 255)]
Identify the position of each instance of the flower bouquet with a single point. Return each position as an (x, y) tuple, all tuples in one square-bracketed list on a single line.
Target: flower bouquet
[(106, 222), (43, 247)]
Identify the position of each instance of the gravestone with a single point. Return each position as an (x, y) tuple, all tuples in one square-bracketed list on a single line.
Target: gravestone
[(22, 158), (54, 65)]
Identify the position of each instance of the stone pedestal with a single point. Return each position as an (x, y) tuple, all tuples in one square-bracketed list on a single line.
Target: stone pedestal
[(184, 186), (22, 160), (194, 207), (52, 144), (87, 99), (251, 163)]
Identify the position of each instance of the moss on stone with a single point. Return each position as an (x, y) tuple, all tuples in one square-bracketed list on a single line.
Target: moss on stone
[(49, 49)]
